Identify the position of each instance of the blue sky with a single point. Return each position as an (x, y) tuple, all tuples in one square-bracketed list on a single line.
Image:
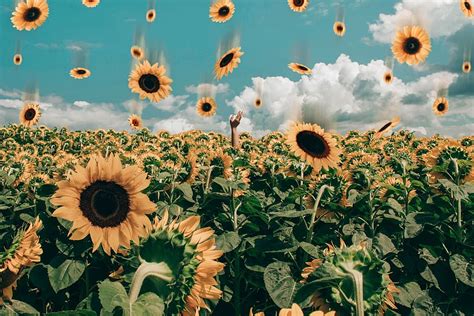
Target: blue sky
[(271, 35)]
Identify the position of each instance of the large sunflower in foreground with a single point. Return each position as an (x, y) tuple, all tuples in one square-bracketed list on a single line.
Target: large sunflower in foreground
[(221, 11), (411, 45), (206, 107), (298, 5), (17, 59), (466, 7), (150, 15), (24, 252), (91, 3), (135, 122), (311, 143), (466, 67), (387, 126), (228, 62), (150, 81), (80, 73), (30, 14), (191, 254), (339, 28), (440, 106), (300, 68), (104, 200), (30, 114)]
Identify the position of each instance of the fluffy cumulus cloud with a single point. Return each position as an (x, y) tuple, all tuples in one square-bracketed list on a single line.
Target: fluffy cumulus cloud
[(441, 18)]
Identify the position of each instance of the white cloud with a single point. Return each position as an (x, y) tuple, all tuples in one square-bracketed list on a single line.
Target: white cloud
[(81, 104), (208, 89), (172, 103), (440, 17)]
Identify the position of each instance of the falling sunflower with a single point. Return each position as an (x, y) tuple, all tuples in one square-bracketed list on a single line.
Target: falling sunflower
[(91, 3), (30, 14), (104, 200), (466, 8), (411, 45), (311, 143), (258, 102), (300, 68), (388, 77), (221, 11), (466, 67), (150, 81), (135, 122), (388, 126), (298, 5), (80, 73), (440, 106), (137, 52), (339, 28), (30, 114), (150, 15), (17, 59), (206, 107), (228, 62)]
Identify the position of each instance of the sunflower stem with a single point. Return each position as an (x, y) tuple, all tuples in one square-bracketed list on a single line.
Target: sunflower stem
[(357, 280), (208, 179), (458, 200), (309, 235)]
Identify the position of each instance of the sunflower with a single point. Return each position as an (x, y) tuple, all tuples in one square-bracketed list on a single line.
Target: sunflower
[(298, 5), (339, 28), (388, 77), (206, 107), (30, 14), (467, 8), (91, 3), (466, 67), (411, 45), (30, 114), (150, 81), (150, 15), (17, 59), (137, 52), (221, 11), (311, 143), (228, 62), (221, 164), (440, 106), (135, 122), (258, 102), (388, 126), (80, 73), (300, 68), (104, 200)]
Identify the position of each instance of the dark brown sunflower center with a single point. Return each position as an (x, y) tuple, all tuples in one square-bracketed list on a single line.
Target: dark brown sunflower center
[(466, 66), (304, 68), (30, 114), (258, 102), (149, 83), (17, 58), (388, 77), (105, 204), (226, 60), (412, 45), (206, 107), (339, 28), (80, 71), (467, 5), (224, 10), (150, 14), (313, 144), (135, 122), (441, 107), (298, 3), (32, 14), (136, 52), (385, 127)]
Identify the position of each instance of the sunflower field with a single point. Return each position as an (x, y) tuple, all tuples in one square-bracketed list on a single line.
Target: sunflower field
[(112, 223)]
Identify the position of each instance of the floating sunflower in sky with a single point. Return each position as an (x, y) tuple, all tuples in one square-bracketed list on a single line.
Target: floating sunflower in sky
[(440, 106), (135, 122), (91, 3), (17, 59), (228, 62), (388, 126), (388, 76), (466, 67), (311, 143), (300, 68), (150, 81), (206, 107), (258, 102), (221, 11), (30, 114), (339, 28), (411, 45), (298, 5), (105, 200), (467, 8), (137, 52), (80, 73), (30, 14), (150, 15)]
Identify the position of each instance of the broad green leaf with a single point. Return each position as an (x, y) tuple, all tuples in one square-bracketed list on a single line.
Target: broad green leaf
[(148, 304), (408, 293), (64, 274), (23, 308), (463, 270), (187, 191), (385, 244), (412, 228), (280, 284), (112, 295), (228, 241), (310, 249), (83, 312), (395, 205)]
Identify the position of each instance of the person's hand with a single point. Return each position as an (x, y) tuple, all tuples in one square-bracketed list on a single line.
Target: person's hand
[(235, 119)]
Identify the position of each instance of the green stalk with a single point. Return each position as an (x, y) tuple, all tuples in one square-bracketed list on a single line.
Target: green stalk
[(309, 235), (458, 200), (357, 280), (236, 296), (208, 179)]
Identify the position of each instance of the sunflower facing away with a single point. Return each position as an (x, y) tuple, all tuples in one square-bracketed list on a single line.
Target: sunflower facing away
[(466, 67), (105, 200), (411, 45), (467, 8), (298, 5), (30, 114), (150, 15), (17, 59), (137, 52), (30, 14), (80, 73), (135, 122), (228, 62), (91, 3), (339, 28), (300, 68), (221, 11), (440, 106), (150, 81), (206, 107), (388, 126), (388, 77), (311, 143)]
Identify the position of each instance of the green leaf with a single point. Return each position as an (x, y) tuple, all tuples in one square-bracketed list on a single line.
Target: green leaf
[(463, 270), (310, 249), (112, 295), (81, 312), (429, 276), (23, 308), (408, 293), (64, 274), (228, 241), (280, 284), (412, 228), (385, 244), (395, 205), (187, 191), (148, 304), (46, 190)]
